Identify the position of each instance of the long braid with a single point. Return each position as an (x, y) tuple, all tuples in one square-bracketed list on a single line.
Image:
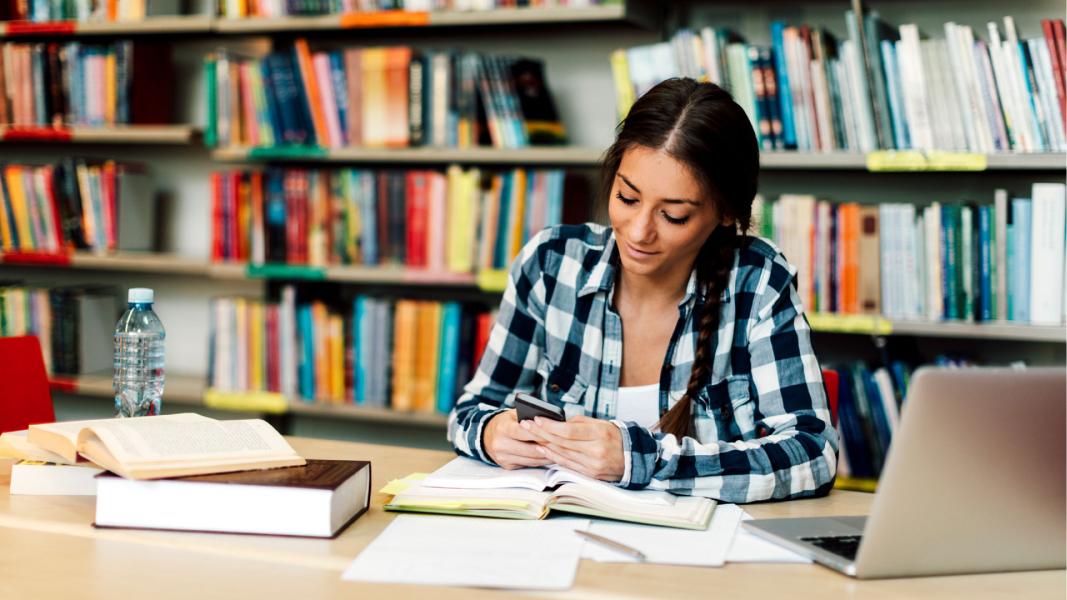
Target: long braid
[(713, 274)]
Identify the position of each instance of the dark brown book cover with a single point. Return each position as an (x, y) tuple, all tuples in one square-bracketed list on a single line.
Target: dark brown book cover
[(316, 474)]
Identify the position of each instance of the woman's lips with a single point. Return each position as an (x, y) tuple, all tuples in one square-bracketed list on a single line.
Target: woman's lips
[(638, 254)]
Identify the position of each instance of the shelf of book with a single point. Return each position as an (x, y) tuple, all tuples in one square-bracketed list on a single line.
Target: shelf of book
[(160, 25), (118, 134), (618, 12), (530, 157)]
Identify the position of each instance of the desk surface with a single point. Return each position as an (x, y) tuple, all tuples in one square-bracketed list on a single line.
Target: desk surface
[(50, 549)]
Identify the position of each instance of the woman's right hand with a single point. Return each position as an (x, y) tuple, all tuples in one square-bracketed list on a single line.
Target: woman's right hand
[(509, 445)]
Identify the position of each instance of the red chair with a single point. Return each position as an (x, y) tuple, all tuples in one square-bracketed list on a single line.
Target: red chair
[(832, 383), (24, 395)]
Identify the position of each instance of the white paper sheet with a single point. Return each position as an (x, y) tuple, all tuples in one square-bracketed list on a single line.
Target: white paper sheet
[(475, 552), (665, 545), (750, 548)]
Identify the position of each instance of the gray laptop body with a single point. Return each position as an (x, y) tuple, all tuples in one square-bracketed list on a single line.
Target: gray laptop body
[(974, 482)]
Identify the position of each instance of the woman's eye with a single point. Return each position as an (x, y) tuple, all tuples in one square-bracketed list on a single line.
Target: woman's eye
[(625, 200), (675, 220)]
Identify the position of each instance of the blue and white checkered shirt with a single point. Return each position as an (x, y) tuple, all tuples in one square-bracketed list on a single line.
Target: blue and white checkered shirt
[(762, 427)]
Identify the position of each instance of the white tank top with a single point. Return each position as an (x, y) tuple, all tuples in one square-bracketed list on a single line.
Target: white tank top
[(639, 404)]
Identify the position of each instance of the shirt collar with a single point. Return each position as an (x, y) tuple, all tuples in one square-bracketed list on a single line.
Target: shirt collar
[(602, 277)]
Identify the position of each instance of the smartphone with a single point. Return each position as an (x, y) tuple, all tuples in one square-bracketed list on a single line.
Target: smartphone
[(529, 407)]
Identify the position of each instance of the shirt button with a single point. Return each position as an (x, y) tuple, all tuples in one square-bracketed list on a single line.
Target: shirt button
[(554, 387)]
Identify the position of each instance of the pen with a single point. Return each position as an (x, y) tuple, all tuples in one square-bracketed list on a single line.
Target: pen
[(603, 541)]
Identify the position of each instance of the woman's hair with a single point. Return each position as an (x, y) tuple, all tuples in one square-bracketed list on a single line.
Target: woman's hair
[(701, 126)]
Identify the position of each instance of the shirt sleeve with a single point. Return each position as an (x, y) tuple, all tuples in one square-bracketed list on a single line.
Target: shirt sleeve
[(509, 363), (797, 453)]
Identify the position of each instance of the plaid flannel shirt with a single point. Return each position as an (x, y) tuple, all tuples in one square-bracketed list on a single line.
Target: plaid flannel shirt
[(762, 426)]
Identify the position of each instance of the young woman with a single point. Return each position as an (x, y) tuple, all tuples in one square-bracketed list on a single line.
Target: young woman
[(676, 344)]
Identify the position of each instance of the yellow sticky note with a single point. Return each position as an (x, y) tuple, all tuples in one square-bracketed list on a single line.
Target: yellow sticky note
[(934, 160), (397, 486), (493, 280), (869, 324), (263, 402)]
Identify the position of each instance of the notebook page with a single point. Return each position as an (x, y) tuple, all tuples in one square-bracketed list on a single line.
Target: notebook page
[(559, 475), (468, 473), (461, 551), (663, 545)]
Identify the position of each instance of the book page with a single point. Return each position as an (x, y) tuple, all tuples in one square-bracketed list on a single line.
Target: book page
[(62, 437), (13, 444), (156, 439), (468, 473), (559, 475)]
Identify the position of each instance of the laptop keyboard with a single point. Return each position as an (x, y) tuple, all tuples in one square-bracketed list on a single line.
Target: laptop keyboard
[(841, 545)]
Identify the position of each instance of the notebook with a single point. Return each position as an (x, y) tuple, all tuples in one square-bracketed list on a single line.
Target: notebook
[(468, 487)]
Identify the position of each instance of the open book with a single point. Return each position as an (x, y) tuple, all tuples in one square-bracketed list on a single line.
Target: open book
[(468, 487), (167, 445)]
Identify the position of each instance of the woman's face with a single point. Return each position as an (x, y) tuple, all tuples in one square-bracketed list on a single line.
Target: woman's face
[(659, 212)]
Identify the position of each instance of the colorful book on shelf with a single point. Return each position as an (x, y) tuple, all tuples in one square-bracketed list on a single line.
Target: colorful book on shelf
[(882, 87), (316, 499), (415, 218), (367, 97), (160, 446), (468, 487)]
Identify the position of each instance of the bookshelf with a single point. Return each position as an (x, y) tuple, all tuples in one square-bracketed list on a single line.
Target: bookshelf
[(576, 56)]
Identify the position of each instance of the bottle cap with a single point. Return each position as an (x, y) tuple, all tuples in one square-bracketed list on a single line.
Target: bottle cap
[(140, 296)]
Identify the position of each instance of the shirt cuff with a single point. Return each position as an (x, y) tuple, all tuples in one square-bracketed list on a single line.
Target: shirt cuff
[(483, 420), (639, 451)]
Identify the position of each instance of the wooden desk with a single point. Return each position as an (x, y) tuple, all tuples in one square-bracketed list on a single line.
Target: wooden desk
[(50, 550)]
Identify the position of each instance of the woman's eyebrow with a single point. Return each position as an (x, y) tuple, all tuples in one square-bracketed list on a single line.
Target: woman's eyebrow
[(629, 183), (667, 200)]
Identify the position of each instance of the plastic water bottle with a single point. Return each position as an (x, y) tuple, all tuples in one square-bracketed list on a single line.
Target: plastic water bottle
[(139, 336)]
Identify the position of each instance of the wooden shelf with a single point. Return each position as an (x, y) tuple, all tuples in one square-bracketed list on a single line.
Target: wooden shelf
[(537, 156), (876, 325), (120, 134), (150, 262), (184, 390), (858, 162), (188, 390), (628, 13), (570, 156), (161, 25), (368, 413)]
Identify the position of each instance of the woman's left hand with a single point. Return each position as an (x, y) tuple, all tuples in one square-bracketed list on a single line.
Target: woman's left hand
[(589, 446)]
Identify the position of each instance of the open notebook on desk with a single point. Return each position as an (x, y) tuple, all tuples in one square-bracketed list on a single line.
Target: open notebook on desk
[(468, 487)]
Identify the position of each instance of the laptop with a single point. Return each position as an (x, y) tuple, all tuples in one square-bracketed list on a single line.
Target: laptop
[(973, 483)]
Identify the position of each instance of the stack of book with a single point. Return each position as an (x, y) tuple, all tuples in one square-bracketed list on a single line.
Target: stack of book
[(280, 8), (883, 87), (453, 221), (951, 261), (45, 11), (377, 97), (205, 472), (98, 206), (74, 324), (53, 84), (406, 355)]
